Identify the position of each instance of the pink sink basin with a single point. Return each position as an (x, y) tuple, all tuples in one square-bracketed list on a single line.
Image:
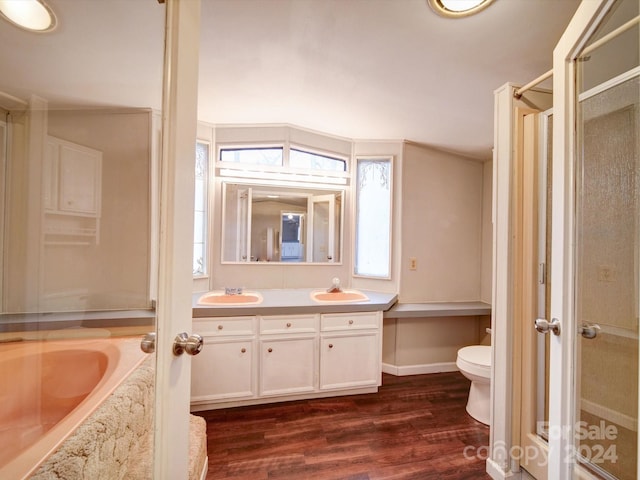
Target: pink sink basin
[(344, 296), (220, 298)]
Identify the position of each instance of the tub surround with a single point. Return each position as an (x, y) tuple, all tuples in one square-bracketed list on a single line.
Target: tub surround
[(109, 444), (36, 322), (294, 301), (119, 357)]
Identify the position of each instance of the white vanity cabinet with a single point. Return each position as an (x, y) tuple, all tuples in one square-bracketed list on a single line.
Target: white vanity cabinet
[(288, 354), (226, 367), (350, 350), (269, 358)]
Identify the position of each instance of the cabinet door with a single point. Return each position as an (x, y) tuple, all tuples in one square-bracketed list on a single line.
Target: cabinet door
[(350, 361), (80, 180), (223, 370), (288, 366)]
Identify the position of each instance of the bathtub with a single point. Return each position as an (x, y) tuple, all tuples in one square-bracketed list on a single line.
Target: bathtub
[(49, 388)]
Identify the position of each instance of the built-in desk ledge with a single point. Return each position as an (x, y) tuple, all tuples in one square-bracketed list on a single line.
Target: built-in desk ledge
[(438, 309)]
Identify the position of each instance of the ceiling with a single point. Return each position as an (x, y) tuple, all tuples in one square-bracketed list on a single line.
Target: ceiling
[(362, 69)]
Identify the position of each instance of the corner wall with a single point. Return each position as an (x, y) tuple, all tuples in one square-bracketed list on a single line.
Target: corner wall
[(441, 226), (446, 227)]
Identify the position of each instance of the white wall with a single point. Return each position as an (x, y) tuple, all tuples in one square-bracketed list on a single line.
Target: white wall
[(442, 196), (446, 226)]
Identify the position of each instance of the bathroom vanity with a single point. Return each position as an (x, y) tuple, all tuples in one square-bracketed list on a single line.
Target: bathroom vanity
[(288, 347)]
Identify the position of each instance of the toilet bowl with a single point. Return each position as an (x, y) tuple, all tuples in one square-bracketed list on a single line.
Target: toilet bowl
[(474, 363)]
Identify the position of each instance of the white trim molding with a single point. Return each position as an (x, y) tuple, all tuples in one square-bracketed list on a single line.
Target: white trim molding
[(403, 370)]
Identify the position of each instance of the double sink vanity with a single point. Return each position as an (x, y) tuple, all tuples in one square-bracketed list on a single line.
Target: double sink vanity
[(289, 344)]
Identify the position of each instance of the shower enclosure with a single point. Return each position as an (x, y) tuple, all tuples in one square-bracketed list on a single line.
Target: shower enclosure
[(595, 246)]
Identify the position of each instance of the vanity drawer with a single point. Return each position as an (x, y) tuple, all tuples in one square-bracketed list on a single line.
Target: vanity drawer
[(349, 321), (289, 324), (225, 326)]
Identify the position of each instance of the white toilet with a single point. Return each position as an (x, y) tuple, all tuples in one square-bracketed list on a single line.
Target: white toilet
[(474, 363)]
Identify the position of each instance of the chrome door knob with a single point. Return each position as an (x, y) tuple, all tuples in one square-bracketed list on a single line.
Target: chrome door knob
[(148, 343), (184, 343), (544, 326), (589, 331)]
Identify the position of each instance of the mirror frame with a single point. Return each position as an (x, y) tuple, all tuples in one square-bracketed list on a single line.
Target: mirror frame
[(290, 190)]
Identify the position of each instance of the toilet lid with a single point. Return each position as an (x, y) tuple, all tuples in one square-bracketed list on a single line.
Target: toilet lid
[(476, 354)]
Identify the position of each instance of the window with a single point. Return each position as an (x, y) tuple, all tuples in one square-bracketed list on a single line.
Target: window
[(315, 161), (373, 217), (201, 210), (283, 165), (253, 156)]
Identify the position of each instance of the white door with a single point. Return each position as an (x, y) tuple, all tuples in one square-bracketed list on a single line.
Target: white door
[(322, 228), (173, 373), (243, 224), (595, 251)]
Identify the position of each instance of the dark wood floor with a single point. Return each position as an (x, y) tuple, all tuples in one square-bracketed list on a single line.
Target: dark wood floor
[(415, 427)]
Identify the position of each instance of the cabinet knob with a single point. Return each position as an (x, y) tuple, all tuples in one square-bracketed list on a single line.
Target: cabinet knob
[(243, 350), (269, 350), (220, 327), (331, 345), (288, 324), (350, 322)]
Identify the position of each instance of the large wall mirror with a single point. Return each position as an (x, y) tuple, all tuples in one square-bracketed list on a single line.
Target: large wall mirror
[(78, 145), (265, 223)]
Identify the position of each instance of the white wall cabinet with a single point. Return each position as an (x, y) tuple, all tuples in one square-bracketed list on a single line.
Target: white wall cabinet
[(248, 360), (71, 192)]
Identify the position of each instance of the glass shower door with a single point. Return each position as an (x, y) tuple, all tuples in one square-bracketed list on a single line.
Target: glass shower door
[(606, 275), (595, 245)]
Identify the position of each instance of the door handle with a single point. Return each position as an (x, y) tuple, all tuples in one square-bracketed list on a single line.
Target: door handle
[(544, 326), (184, 343), (148, 343), (589, 331)]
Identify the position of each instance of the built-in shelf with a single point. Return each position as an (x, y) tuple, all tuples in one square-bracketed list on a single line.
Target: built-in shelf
[(438, 309)]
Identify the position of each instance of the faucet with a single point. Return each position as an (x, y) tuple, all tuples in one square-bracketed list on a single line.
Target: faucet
[(335, 288), (233, 290)]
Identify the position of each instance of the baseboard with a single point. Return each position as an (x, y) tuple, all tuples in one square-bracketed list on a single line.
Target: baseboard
[(610, 415), (496, 472), (403, 370)]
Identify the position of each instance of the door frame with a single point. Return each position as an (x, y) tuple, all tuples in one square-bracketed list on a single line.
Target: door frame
[(175, 277), (505, 449)]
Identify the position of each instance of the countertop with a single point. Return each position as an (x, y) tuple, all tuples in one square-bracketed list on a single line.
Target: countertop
[(438, 309), (293, 301)]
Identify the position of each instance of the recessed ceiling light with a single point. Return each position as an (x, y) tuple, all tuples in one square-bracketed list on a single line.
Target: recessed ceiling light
[(32, 15), (458, 8)]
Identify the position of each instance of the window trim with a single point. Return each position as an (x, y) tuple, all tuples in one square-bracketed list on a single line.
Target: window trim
[(208, 203), (285, 172)]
